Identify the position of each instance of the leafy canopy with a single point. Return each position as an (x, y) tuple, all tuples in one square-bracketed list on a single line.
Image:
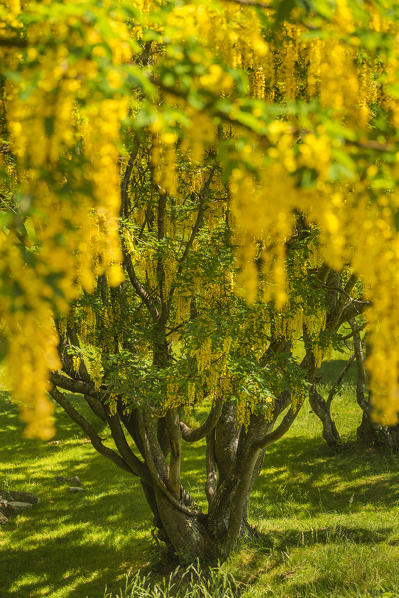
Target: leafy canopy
[(295, 102)]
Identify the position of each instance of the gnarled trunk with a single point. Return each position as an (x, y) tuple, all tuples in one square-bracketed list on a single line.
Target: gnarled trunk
[(233, 465), (322, 409)]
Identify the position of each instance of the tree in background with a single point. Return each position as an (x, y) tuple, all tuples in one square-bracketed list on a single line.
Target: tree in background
[(255, 151)]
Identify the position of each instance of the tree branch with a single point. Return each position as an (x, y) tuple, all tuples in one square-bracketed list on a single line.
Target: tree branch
[(13, 42), (92, 397), (211, 472), (353, 309), (192, 435), (368, 144), (254, 3), (74, 338), (125, 182), (338, 382), (138, 287), (73, 385), (198, 222), (361, 370), (128, 455), (155, 475), (162, 200), (89, 430), (197, 225), (172, 424), (281, 429)]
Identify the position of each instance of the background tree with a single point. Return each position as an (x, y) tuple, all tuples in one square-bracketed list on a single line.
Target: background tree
[(344, 305)]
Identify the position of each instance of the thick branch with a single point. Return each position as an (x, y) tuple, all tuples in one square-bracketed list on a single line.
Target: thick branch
[(73, 385), (172, 423), (163, 197), (129, 457), (192, 435), (361, 370), (155, 475), (352, 309), (92, 397), (281, 429)]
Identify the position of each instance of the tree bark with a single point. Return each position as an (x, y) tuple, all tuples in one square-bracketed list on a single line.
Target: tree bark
[(322, 409), (370, 433)]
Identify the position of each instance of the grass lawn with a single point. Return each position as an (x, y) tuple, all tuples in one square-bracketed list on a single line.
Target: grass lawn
[(328, 524)]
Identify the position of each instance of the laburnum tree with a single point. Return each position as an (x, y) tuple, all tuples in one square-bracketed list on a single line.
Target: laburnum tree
[(174, 337), (196, 196)]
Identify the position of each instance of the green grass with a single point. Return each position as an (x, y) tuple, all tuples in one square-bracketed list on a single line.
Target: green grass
[(328, 523)]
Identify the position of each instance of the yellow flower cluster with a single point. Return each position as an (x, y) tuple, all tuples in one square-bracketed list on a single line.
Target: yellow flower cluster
[(298, 397), (54, 104), (262, 232), (96, 370), (376, 261), (173, 394), (203, 355), (57, 104), (347, 84), (75, 363), (113, 403), (182, 308), (247, 404), (28, 369), (164, 160)]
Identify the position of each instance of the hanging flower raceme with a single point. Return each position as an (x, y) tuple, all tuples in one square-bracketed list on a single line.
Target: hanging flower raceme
[(64, 102)]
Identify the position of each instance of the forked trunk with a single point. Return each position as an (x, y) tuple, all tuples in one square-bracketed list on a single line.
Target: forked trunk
[(322, 409), (234, 462), (185, 536)]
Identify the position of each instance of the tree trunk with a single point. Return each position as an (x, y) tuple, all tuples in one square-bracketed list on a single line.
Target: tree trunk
[(246, 529), (370, 433), (185, 535), (322, 409)]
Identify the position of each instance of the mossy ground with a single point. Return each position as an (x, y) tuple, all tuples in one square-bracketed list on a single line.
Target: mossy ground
[(328, 524)]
